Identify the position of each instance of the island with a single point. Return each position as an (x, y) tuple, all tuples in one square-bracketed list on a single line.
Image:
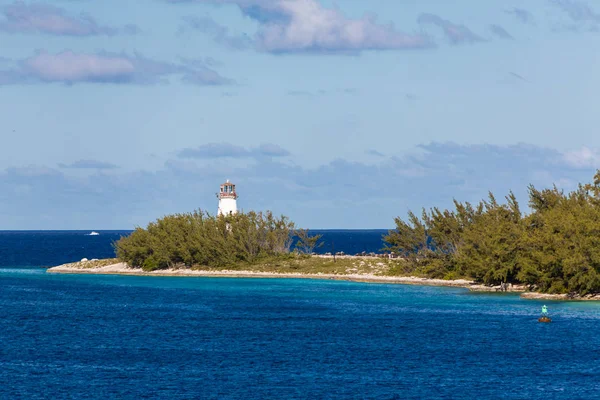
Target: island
[(552, 251)]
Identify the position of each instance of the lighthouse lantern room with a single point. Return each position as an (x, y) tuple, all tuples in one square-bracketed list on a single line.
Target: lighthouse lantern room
[(227, 199)]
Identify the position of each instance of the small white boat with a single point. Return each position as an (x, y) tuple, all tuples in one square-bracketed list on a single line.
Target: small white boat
[(93, 233)]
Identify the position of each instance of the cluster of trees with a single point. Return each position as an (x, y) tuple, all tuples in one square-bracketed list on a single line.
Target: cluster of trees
[(555, 248), (201, 239)]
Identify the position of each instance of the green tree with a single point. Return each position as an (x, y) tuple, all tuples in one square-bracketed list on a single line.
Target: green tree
[(199, 239), (307, 243), (555, 248), (492, 244)]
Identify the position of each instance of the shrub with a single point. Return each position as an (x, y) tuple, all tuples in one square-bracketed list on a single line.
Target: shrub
[(201, 239)]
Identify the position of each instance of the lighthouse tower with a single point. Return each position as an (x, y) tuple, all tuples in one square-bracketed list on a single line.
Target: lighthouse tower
[(227, 199)]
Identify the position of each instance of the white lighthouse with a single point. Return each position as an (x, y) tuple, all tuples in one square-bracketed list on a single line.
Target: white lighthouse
[(227, 199)]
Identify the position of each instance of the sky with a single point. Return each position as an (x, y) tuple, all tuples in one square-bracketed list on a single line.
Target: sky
[(339, 114)]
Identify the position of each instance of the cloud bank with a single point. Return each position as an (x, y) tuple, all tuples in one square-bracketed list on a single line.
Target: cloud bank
[(578, 11), (20, 17), (338, 194), (219, 33), (522, 15), (89, 164), (70, 67), (306, 26), (581, 15), (583, 158), (455, 33), (228, 150)]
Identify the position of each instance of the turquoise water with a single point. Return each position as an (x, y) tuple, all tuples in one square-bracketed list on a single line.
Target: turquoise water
[(65, 336)]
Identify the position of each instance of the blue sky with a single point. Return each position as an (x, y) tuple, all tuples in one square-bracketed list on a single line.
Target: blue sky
[(339, 114)]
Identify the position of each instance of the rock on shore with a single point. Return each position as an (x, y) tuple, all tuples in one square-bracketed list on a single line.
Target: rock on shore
[(115, 267), (559, 297)]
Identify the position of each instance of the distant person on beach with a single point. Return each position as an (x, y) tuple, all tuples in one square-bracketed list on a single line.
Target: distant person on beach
[(544, 311)]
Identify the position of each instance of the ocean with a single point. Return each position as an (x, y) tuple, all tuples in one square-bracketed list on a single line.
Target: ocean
[(51, 248), (126, 337)]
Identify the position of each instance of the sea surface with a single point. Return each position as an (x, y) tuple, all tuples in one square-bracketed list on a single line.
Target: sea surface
[(125, 337), (51, 248)]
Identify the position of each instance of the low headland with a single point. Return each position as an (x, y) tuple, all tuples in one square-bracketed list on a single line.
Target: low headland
[(343, 267), (550, 252), (364, 269)]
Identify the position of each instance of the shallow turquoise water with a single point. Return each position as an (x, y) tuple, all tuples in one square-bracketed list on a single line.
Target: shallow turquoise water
[(78, 336)]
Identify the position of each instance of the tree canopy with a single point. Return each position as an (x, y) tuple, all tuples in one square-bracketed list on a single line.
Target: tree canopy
[(555, 248), (307, 243), (199, 239)]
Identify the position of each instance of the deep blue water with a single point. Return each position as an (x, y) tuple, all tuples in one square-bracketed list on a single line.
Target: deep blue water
[(105, 337), (49, 248)]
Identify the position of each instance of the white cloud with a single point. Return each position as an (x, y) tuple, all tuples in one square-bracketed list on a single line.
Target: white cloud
[(295, 26), (311, 27), (21, 17), (70, 67), (583, 158)]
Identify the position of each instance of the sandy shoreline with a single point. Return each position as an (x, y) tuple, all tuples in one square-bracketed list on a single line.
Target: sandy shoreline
[(109, 267), (124, 269)]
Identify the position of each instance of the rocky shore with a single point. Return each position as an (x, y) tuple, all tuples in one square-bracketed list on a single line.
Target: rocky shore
[(559, 297), (114, 267), (119, 268)]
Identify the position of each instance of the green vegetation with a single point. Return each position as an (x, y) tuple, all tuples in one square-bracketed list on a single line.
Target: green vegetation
[(295, 263), (254, 241), (554, 249), (306, 243), (199, 239), (91, 264)]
